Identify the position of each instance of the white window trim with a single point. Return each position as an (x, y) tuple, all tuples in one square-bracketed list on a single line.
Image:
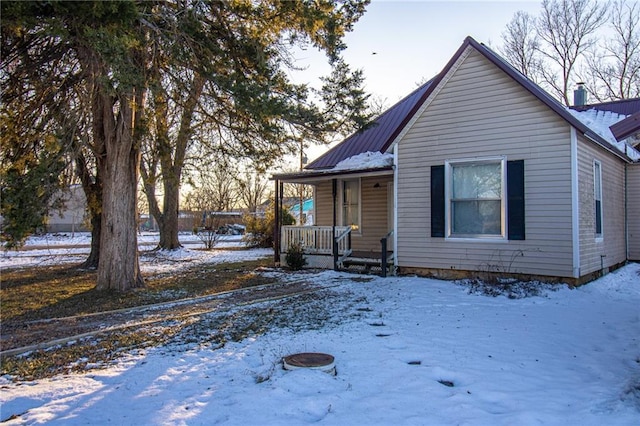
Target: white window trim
[(503, 199), (341, 195), (598, 177)]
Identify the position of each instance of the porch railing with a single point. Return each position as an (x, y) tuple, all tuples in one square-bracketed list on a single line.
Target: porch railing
[(315, 239)]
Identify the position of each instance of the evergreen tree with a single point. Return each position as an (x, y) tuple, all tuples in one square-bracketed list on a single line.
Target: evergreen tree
[(125, 61)]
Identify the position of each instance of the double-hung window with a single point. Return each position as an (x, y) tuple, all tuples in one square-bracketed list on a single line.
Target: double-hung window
[(351, 203), (475, 200), (597, 186)]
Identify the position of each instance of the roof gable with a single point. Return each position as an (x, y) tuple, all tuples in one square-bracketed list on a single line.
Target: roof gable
[(546, 98), (394, 121)]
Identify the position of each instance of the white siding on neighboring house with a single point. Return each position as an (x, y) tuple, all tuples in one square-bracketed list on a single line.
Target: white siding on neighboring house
[(481, 112), (633, 210), (70, 217), (596, 252)]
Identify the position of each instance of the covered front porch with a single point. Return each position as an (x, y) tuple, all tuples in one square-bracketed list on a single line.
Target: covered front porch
[(354, 217)]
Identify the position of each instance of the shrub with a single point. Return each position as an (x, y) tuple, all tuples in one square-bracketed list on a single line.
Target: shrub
[(295, 257), (259, 230)]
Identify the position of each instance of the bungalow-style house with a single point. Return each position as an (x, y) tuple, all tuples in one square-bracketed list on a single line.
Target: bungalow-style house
[(477, 172)]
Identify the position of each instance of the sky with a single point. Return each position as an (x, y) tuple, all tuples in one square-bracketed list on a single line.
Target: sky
[(412, 42), (408, 351)]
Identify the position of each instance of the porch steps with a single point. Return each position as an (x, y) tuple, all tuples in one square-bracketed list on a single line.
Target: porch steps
[(369, 263)]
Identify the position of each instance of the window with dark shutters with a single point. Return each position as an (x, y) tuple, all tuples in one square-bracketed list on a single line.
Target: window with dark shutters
[(437, 202), (515, 200), (597, 187)]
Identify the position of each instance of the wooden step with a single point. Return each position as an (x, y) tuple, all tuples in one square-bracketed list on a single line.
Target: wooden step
[(362, 261)]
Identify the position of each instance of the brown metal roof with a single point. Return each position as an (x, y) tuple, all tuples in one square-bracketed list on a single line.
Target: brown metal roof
[(376, 138), (627, 127), (623, 106)]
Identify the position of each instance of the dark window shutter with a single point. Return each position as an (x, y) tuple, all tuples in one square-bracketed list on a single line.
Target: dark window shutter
[(515, 200), (437, 201), (598, 217)]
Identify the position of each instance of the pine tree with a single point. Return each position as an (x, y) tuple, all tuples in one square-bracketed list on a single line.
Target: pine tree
[(114, 61)]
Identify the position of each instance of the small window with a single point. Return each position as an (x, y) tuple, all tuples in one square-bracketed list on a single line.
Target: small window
[(597, 186), (351, 203), (476, 193)]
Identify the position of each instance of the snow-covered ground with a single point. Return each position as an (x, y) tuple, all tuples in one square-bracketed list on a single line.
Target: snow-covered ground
[(62, 248), (408, 351)]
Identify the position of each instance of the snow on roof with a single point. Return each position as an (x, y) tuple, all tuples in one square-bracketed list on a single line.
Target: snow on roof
[(365, 160), (599, 121), (379, 136)]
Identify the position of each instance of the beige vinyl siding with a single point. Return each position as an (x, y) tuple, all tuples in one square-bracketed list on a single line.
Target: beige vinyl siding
[(633, 210), (373, 211), (596, 254), (323, 204), (373, 220), (480, 112)]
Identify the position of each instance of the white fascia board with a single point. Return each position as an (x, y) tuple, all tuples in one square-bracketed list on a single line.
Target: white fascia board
[(575, 205), (395, 203)]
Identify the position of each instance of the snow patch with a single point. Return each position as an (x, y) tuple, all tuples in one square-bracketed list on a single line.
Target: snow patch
[(600, 122), (365, 160)]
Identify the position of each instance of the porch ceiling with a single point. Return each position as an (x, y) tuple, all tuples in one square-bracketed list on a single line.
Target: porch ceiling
[(315, 176)]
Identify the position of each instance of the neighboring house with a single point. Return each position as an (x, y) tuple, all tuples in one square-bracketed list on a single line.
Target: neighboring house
[(71, 214), (479, 172), (307, 212)]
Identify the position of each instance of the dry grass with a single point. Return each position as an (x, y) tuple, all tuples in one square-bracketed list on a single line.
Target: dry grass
[(61, 291), (56, 292)]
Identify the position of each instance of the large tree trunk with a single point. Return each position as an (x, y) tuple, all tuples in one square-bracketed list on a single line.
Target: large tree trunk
[(118, 267), (169, 223), (93, 260), (92, 187), (113, 198), (167, 218)]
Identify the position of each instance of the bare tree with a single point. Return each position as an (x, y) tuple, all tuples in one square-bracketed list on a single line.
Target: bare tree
[(521, 45), (567, 30), (253, 188), (164, 159), (613, 66), (215, 190), (550, 49)]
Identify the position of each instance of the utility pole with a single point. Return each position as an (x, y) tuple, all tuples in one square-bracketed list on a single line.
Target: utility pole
[(303, 161)]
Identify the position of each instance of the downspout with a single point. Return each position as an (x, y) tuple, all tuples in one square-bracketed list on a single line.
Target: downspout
[(395, 206), (575, 205), (334, 193)]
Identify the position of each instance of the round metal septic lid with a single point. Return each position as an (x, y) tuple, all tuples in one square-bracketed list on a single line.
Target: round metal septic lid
[(313, 360)]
